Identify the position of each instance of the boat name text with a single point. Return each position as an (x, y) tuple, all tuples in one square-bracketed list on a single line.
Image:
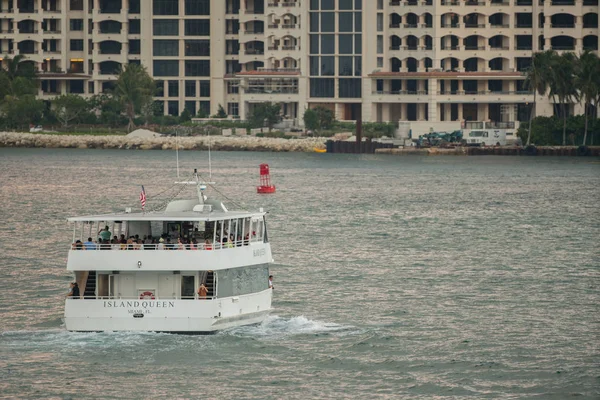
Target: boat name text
[(143, 304), (259, 252)]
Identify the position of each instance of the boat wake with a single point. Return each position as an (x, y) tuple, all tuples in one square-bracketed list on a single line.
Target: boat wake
[(275, 326)]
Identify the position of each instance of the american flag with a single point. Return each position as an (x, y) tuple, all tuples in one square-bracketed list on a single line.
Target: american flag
[(143, 198)]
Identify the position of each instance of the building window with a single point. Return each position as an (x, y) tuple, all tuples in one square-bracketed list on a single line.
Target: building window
[(204, 107), (197, 68), (76, 5), (350, 88), (165, 48), (134, 27), (379, 62), (76, 87), (204, 88), (134, 46), (134, 6), (191, 107), (233, 87), (173, 108), (346, 66), (160, 88), (190, 88), (76, 45), (165, 7), (197, 48), (173, 88), (232, 67), (166, 67), (165, 27), (76, 25), (328, 44), (233, 109), (322, 87), (197, 7), (197, 27)]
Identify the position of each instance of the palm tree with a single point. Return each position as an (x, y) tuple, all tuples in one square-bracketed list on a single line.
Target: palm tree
[(18, 77), (562, 85), (19, 67), (537, 81), (587, 82), (134, 89)]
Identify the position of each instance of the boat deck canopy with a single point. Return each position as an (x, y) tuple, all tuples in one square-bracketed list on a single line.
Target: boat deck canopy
[(169, 216)]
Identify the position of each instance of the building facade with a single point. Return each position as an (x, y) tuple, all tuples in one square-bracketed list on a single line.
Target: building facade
[(379, 60)]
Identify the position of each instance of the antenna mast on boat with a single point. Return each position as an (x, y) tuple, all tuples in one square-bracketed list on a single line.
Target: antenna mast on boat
[(209, 161), (177, 150)]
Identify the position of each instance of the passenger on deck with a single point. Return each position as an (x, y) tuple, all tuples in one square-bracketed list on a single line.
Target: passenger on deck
[(77, 245), (202, 292), (148, 243), (207, 245), (161, 244), (75, 292), (180, 244), (104, 234), (114, 244), (194, 244), (90, 245), (271, 282), (174, 234)]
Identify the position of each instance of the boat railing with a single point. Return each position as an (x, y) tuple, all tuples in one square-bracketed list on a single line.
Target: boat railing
[(164, 246)]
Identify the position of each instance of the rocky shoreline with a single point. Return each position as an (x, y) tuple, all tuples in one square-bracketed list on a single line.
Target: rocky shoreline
[(218, 143)]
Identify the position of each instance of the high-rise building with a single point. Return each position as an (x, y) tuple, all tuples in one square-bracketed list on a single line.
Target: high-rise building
[(382, 60)]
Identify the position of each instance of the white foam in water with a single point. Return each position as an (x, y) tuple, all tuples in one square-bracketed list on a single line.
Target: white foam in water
[(277, 326)]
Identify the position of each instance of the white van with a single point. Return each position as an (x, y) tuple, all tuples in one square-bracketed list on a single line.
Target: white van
[(486, 137)]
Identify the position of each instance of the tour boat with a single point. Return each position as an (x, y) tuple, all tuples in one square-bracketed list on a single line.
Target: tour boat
[(215, 277)]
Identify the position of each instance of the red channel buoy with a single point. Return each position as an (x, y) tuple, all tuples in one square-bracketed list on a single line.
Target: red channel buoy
[(265, 180)]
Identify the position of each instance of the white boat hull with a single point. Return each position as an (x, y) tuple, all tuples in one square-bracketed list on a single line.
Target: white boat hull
[(167, 315)]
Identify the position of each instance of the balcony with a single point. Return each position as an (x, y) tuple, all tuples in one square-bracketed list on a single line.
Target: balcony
[(400, 96), (485, 96), (262, 90), (254, 52)]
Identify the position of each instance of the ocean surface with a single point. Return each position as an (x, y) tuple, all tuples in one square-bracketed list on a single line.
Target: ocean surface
[(395, 277)]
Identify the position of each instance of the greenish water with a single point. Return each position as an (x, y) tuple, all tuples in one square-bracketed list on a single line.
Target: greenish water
[(396, 277)]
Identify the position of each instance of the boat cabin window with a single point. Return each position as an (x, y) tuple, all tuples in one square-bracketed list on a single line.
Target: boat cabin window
[(152, 235)]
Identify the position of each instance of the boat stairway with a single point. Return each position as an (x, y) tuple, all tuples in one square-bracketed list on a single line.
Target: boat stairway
[(210, 284), (90, 286)]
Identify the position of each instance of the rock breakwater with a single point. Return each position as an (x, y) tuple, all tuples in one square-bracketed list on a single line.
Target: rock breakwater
[(232, 143)]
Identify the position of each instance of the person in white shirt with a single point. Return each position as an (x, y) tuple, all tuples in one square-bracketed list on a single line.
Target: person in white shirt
[(271, 282)]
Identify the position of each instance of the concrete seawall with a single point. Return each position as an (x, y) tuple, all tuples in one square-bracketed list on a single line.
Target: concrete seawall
[(593, 151), (248, 143)]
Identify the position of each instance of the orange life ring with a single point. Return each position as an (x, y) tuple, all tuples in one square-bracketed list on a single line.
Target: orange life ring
[(147, 295)]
